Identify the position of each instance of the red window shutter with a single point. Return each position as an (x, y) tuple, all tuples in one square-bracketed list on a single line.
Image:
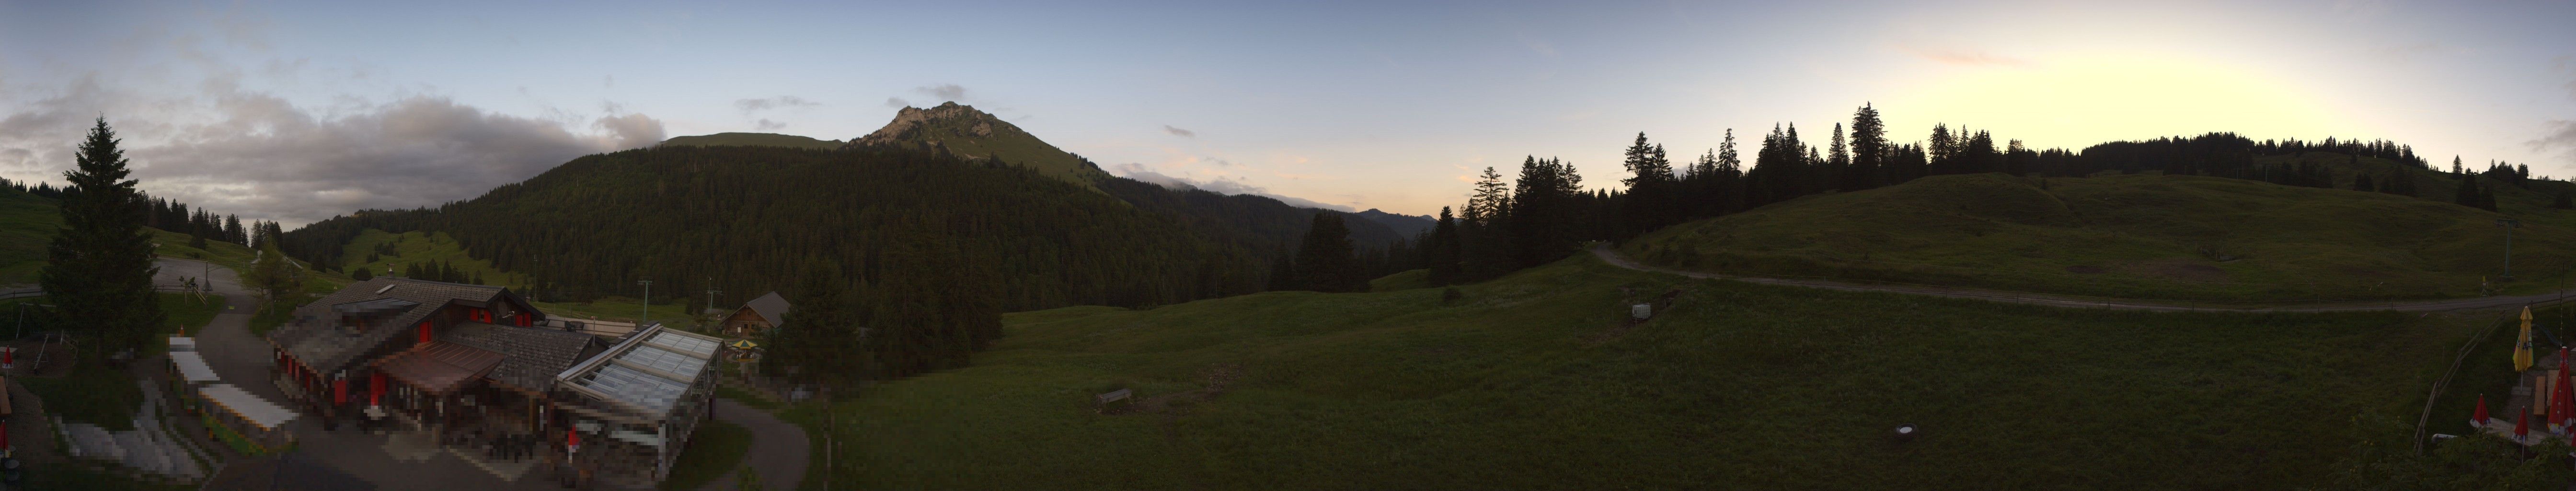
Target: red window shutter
[(424, 331)]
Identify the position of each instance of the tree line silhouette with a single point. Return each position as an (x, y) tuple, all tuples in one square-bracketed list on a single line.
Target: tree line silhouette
[(1539, 217)]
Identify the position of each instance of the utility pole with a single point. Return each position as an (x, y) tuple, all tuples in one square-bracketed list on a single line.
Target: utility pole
[(2508, 224), (648, 302), (711, 293)]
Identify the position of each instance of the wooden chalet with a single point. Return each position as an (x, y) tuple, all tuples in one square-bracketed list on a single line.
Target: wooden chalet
[(756, 317), (425, 353), (480, 364)]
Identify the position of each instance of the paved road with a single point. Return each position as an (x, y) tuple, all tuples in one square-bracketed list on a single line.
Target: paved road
[(778, 450), (1610, 255)]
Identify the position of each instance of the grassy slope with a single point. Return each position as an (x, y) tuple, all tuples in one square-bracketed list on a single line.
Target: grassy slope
[(98, 394), (411, 247), (2137, 236), (27, 222), (1402, 280), (423, 249), (753, 140), (1529, 384)]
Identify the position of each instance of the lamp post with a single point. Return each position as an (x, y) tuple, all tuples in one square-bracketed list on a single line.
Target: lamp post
[(647, 303), (2508, 224)]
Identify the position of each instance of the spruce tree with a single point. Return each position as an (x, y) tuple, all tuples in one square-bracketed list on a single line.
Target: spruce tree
[(1283, 273), (1443, 252), (1868, 148), (1325, 258), (818, 343), (99, 267), (1838, 163)]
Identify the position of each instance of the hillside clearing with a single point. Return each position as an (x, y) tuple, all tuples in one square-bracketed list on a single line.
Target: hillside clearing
[(2148, 237), (1532, 382)]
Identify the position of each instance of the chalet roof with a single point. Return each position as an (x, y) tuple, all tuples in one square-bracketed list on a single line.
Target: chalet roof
[(440, 367), (313, 333), (530, 356), (771, 308)]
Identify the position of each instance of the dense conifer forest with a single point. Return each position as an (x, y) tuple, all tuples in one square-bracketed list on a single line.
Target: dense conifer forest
[(754, 219)]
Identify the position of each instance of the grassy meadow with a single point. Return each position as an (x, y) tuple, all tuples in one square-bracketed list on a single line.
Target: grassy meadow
[(2132, 236), (423, 249), (1534, 382)]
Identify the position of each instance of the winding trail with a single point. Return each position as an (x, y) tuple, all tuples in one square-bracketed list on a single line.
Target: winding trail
[(1611, 255)]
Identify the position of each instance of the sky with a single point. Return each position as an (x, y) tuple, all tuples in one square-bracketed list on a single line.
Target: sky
[(295, 112)]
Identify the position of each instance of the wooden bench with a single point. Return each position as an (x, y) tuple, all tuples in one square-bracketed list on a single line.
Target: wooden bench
[(1103, 400)]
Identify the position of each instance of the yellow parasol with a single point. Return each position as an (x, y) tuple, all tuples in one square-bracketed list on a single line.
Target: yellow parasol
[(2522, 345)]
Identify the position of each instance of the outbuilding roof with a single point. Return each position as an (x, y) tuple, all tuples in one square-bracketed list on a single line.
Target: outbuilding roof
[(771, 308), (192, 367), (242, 404)]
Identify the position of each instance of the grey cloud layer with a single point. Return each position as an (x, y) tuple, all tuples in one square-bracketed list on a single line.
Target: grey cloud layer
[(781, 102), (261, 157), (945, 92)]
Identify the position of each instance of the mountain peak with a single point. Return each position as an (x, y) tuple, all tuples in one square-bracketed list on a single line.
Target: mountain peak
[(966, 132), (908, 121)]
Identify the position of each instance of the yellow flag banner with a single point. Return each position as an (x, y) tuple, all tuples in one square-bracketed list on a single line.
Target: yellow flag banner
[(2522, 344)]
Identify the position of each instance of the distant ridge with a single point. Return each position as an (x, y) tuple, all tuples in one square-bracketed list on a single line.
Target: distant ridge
[(751, 140), (1406, 225)]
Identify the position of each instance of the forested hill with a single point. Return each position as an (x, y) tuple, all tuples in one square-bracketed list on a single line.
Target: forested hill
[(756, 219), (751, 140), (753, 214)]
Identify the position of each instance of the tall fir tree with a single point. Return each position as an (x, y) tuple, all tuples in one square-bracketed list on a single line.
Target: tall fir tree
[(1838, 163), (233, 231), (1283, 272), (1868, 149), (1443, 252), (98, 269), (818, 343), (1325, 258)]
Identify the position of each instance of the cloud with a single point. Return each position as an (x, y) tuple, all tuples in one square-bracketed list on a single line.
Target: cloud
[(897, 103), (2560, 136), (1967, 58), (1220, 185), (1180, 132), (945, 92), (260, 156), (766, 125), (749, 106)]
